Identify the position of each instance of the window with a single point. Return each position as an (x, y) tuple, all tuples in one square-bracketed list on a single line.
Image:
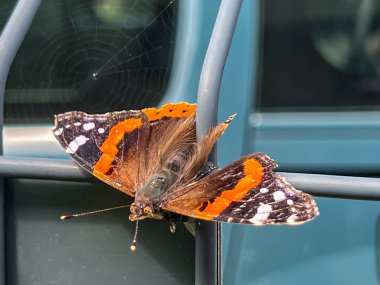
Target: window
[(95, 56), (320, 55)]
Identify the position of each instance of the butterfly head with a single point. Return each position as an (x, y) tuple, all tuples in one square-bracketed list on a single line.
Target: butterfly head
[(143, 211)]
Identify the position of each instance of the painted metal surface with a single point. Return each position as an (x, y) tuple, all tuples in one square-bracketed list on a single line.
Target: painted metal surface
[(208, 235)]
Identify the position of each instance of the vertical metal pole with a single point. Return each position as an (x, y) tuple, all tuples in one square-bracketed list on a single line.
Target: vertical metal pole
[(208, 234), (10, 40)]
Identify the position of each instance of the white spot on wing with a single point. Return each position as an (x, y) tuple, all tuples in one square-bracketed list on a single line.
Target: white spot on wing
[(291, 219), (77, 124), (81, 139), (100, 130), (290, 202), (73, 147), (76, 143), (88, 126), (279, 196), (262, 214), (264, 190)]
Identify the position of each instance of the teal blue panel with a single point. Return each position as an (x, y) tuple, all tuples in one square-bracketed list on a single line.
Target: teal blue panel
[(335, 248), (338, 247)]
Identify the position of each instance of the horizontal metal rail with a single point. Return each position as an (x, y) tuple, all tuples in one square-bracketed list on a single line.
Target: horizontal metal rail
[(334, 186), (43, 168)]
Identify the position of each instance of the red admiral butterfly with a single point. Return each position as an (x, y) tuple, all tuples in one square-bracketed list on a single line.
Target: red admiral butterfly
[(152, 155)]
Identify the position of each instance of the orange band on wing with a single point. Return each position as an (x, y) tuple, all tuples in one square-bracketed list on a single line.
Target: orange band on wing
[(109, 146), (253, 172), (176, 110)]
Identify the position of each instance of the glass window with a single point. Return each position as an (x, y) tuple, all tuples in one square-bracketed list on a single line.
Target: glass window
[(320, 55), (92, 55), (6, 7), (95, 56)]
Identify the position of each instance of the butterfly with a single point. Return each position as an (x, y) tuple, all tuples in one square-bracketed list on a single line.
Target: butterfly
[(153, 155)]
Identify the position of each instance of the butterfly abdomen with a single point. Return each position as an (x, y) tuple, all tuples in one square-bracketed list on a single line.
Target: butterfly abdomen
[(168, 173), (177, 163)]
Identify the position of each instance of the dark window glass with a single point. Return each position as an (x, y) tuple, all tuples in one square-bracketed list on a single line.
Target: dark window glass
[(6, 7), (92, 55), (320, 55)]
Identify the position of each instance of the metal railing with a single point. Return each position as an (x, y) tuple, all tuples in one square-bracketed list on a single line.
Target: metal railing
[(208, 241)]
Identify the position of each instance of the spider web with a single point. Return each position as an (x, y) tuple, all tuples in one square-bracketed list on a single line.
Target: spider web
[(96, 56)]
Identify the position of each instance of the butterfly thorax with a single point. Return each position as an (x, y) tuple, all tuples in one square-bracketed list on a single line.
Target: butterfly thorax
[(149, 197)]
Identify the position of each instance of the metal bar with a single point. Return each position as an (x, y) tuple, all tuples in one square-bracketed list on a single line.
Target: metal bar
[(43, 168), (334, 186), (208, 234), (10, 40)]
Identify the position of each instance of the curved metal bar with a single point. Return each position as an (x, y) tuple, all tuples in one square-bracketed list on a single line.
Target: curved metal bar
[(12, 36), (10, 40), (208, 234)]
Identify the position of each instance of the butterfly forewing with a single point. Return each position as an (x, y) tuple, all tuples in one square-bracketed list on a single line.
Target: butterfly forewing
[(97, 143), (246, 191), (120, 148)]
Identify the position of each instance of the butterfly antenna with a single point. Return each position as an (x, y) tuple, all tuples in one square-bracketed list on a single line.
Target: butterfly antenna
[(133, 245), (65, 217)]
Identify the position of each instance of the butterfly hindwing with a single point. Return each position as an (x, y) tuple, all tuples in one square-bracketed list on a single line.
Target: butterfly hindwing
[(246, 191)]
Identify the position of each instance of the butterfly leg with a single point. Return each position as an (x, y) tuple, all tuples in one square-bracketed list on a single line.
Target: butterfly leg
[(173, 218), (172, 225)]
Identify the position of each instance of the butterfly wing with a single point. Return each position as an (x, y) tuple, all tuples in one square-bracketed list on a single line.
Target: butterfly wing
[(94, 141), (172, 127), (120, 148), (246, 191)]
